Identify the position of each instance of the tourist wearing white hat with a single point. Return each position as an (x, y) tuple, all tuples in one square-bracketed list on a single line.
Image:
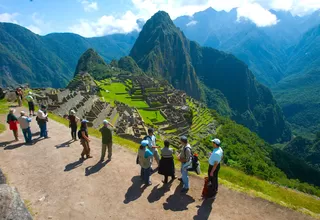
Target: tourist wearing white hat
[(73, 124), (214, 167), (84, 139), (106, 133), (24, 122), (13, 123), (30, 101)]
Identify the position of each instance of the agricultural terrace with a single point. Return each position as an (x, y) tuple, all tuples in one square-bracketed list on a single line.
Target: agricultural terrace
[(117, 91)]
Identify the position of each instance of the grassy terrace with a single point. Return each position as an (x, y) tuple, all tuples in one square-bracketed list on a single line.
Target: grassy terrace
[(231, 178), (119, 92)]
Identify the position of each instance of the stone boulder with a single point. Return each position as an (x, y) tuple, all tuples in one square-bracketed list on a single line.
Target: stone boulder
[(2, 178), (11, 96), (11, 205), (2, 94)]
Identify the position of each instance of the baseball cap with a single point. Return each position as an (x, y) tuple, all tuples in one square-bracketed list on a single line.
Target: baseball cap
[(22, 112), (30, 93), (184, 139), (216, 141), (84, 121), (105, 122), (72, 112), (144, 143)]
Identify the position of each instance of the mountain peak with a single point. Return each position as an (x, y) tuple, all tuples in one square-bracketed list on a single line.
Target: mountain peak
[(210, 10)]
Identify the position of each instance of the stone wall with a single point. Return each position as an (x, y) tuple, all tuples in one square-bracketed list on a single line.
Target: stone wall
[(11, 205)]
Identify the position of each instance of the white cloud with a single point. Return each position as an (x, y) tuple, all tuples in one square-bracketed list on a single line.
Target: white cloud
[(107, 25), (191, 23), (253, 10), (6, 17), (89, 6), (34, 29), (257, 14)]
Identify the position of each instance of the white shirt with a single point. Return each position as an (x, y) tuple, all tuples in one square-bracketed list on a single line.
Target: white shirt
[(41, 114)]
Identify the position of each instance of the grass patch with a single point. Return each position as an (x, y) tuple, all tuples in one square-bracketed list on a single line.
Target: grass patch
[(2, 128), (151, 117), (4, 106), (28, 206)]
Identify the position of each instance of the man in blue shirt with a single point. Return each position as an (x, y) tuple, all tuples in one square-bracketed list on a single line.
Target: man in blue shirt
[(214, 167)]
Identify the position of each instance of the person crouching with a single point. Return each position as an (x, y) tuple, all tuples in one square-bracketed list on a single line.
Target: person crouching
[(145, 161)]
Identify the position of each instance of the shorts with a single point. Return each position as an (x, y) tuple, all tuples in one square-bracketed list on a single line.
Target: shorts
[(31, 106)]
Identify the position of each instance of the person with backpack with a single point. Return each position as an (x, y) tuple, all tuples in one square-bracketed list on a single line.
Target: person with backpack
[(42, 119), (73, 124), (145, 160), (13, 123), (84, 139), (151, 138), (166, 165), (24, 122), (185, 158), (106, 132), (30, 101), (214, 167)]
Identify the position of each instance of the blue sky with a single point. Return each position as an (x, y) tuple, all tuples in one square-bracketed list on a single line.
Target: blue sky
[(91, 18)]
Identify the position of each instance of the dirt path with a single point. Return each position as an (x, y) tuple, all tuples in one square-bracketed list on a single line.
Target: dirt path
[(50, 176)]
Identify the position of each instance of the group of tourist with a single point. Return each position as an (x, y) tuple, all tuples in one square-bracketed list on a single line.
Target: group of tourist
[(148, 150), (24, 120)]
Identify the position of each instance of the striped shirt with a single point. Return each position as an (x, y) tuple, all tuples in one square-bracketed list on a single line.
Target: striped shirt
[(167, 152)]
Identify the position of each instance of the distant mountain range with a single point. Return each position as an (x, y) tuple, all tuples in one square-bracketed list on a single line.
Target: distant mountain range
[(50, 61), (285, 56)]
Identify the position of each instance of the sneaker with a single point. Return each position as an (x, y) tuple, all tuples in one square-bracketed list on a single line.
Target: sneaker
[(184, 190)]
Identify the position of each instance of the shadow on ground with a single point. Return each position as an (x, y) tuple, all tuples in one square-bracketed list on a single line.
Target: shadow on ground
[(157, 193), (178, 201), (14, 146), (73, 165), (64, 144), (4, 144), (36, 134), (135, 190), (204, 210), (96, 168)]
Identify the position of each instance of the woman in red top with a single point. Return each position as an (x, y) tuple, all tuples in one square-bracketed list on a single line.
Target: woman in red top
[(13, 123)]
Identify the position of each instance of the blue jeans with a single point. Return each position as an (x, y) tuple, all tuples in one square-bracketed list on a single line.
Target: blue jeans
[(185, 176), (27, 135), (43, 130), (145, 175)]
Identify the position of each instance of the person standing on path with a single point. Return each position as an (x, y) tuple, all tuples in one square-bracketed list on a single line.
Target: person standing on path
[(166, 165), (24, 122), (106, 132), (42, 119), (214, 167), (30, 101), (145, 160), (84, 139), (151, 138), (186, 161), (19, 94), (73, 124), (13, 123)]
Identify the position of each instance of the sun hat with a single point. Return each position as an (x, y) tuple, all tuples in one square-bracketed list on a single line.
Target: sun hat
[(216, 141), (144, 143)]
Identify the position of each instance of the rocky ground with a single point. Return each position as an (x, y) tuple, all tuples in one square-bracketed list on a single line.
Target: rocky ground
[(59, 186)]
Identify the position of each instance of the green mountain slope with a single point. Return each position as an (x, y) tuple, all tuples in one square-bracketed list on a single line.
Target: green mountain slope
[(162, 48), (25, 58), (50, 60)]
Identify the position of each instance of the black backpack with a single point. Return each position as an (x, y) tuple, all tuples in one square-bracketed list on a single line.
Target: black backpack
[(194, 160), (79, 134)]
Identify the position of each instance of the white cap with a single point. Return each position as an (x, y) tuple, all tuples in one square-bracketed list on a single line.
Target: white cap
[(105, 122), (84, 121), (216, 141), (22, 112), (72, 112), (30, 93)]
